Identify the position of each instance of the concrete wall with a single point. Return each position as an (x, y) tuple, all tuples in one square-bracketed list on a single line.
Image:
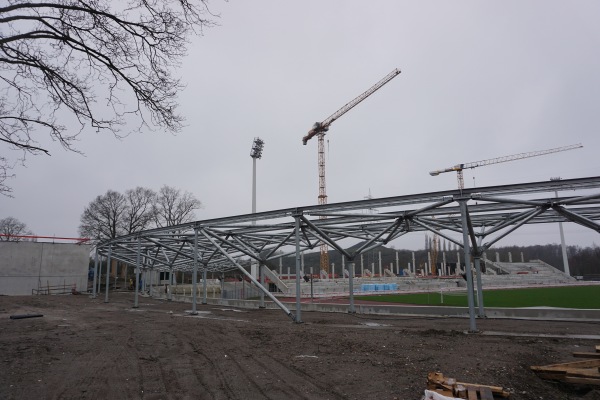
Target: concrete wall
[(30, 265)]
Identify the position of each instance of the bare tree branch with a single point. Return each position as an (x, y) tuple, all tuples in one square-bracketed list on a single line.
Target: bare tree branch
[(174, 207), (102, 61), (140, 210)]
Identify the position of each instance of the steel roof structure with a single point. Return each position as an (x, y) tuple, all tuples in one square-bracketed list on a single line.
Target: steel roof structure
[(474, 219)]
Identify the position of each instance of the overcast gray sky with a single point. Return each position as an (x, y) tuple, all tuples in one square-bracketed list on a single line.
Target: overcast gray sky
[(479, 80)]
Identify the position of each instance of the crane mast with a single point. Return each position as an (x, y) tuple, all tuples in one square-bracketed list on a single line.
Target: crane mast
[(319, 129), (460, 167)]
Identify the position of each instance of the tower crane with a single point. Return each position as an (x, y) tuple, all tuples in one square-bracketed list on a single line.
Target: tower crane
[(460, 167), (319, 129)]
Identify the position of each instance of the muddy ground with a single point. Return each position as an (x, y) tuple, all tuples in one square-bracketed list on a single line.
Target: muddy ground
[(83, 348)]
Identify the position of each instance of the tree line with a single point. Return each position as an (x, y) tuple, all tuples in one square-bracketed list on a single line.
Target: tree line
[(116, 214)]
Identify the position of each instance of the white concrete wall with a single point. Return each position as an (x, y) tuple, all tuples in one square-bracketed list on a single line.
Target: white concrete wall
[(29, 265)]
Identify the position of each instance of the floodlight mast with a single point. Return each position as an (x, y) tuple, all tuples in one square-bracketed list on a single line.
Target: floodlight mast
[(319, 129), (255, 153), (460, 167)]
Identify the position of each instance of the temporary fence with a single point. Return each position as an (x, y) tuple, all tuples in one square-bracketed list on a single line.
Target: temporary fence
[(55, 289)]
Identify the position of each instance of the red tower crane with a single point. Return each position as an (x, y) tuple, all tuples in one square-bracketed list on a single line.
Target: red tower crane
[(319, 129)]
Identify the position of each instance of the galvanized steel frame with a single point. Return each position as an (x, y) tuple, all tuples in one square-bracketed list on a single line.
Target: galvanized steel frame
[(466, 217)]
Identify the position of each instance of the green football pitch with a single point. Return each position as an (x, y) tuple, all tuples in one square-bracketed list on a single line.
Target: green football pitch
[(584, 297)]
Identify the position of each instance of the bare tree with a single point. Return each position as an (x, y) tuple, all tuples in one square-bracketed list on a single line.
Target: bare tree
[(174, 207), (103, 217), (102, 61), (11, 230), (139, 214)]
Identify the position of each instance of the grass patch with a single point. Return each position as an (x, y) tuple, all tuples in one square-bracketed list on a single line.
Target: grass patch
[(584, 297)]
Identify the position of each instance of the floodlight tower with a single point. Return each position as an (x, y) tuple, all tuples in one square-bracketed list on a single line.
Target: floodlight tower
[(255, 153)]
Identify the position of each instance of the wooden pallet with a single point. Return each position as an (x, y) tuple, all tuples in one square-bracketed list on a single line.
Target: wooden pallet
[(586, 372), (462, 390)]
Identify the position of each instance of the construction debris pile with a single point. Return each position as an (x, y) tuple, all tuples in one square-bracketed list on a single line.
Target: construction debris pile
[(440, 387), (585, 372)]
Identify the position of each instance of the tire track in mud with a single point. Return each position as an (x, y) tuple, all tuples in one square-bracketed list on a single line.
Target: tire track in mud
[(255, 375), (73, 359), (152, 381), (208, 371), (218, 370), (293, 377), (317, 386), (183, 376)]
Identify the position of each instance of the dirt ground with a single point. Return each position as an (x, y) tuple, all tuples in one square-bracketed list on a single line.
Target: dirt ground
[(83, 348)]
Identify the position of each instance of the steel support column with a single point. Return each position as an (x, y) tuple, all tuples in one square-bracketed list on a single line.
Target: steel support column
[(468, 271), (481, 311), (151, 283), (298, 319), (170, 284), (95, 273), (195, 275), (261, 276), (107, 274), (137, 272), (99, 274), (351, 308), (205, 286)]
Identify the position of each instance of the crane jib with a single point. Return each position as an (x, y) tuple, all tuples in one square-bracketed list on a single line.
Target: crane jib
[(460, 167), (324, 126)]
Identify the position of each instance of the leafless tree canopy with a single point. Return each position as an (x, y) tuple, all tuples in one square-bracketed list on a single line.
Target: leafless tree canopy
[(174, 207), (11, 228), (102, 61), (140, 211), (114, 214), (103, 218)]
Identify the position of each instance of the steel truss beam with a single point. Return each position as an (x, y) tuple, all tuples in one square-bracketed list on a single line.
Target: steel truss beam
[(489, 213)]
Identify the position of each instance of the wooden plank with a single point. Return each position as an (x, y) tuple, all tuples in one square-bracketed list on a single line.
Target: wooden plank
[(552, 375), (486, 393), (582, 381), (570, 365), (585, 372), (471, 393), (598, 349), (581, 354), (494, 389)]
